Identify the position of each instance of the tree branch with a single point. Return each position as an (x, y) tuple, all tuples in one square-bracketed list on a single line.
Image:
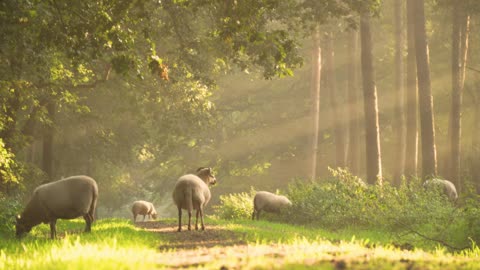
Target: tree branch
[(473, 69)]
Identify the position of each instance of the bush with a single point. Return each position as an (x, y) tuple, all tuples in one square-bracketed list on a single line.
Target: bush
[(409, 211), (9, 208), (236, 205)]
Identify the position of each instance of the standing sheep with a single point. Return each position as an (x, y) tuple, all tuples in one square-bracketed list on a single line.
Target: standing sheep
[(143, 208), (268, 202), (68, 198), (192, 192), (446, 186)]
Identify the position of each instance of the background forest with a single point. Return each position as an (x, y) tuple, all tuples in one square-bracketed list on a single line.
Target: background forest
[(137, 93)]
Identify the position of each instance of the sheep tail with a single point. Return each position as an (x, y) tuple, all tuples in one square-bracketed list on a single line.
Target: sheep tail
[(93, 205)]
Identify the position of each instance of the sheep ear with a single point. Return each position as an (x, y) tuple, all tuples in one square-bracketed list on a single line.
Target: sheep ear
[(201, 168)]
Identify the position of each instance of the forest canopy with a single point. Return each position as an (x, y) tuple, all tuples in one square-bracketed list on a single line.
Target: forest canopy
[(137, 93)]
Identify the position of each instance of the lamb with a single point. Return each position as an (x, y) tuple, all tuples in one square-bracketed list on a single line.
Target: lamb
[(192, 192), (143, 208), (67, 198), (268, 202), (447, 187)]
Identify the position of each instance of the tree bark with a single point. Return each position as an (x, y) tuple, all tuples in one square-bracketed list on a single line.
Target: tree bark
[(372, 131), (460, 31), (474, 168), (411, 162), (427, 129), (316, 71), (331, 85), (353, 102), (400, 128)]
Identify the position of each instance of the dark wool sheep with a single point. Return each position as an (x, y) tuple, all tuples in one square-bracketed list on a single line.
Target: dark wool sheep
[(68, 198), (192, 192)]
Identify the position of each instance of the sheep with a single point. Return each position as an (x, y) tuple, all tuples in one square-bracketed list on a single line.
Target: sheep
[(192, 192), (268, 202), (67, 198), (447, 187), (143, 208)]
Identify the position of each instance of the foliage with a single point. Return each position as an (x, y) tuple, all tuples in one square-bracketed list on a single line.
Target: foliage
[(236, 205), (411, 210), (9, 208)]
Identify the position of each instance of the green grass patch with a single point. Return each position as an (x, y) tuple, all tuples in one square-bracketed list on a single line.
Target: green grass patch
[(112, 244), (118, 244)]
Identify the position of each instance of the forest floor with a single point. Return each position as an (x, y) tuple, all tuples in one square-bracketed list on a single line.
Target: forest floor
[(221, 247)]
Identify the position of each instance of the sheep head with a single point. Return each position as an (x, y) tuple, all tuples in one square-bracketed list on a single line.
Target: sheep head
[(206, 175), (21, 226)]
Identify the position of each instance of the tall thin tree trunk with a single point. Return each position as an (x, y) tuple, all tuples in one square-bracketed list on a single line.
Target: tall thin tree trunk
[(400, 89), (427, 128), (460, 31), (372, 130), (47, 157), (474, 168), (316, 71), (353, 102), (331, 85), (411, 162)]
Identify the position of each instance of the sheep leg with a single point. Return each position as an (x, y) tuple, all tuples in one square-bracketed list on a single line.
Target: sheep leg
[(258, 214), (144, 218), (134, 218), (189, 219), (53, 229), (253, 214), (179, 219), (196, 220), (88, 222), (201, 217)]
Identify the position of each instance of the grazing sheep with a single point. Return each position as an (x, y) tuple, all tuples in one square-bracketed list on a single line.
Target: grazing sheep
[(143, 208), (268, 202), (192, 192), (68, 198), (447, 187)]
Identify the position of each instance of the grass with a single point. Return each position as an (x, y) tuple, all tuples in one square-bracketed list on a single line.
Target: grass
[(113, 244), (118, 244)]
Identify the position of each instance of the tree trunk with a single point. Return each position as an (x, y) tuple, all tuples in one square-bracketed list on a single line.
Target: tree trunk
[(399, 128), (47, 158), (411, 162), (330, 84), (460, 30), (316, 71), (474, 162), (372, 131), (353, 102), (425, 98)]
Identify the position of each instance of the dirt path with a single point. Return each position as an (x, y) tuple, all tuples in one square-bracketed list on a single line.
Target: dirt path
[(216, 244), (212, 236), (225, 249)]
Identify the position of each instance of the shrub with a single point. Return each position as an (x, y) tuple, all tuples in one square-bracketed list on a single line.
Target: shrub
[(9, 208), (236, 205)]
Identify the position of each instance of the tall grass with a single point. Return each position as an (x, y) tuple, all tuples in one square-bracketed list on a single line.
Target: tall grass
[(118, 244), (112, 244)]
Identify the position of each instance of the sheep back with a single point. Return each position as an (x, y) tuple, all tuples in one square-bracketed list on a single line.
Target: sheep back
[(191, 192), (269, 202), (143, 208), (447, 187), (67, 198)]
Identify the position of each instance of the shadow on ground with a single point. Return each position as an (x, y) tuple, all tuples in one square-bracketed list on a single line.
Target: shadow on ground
[(213, 235)]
